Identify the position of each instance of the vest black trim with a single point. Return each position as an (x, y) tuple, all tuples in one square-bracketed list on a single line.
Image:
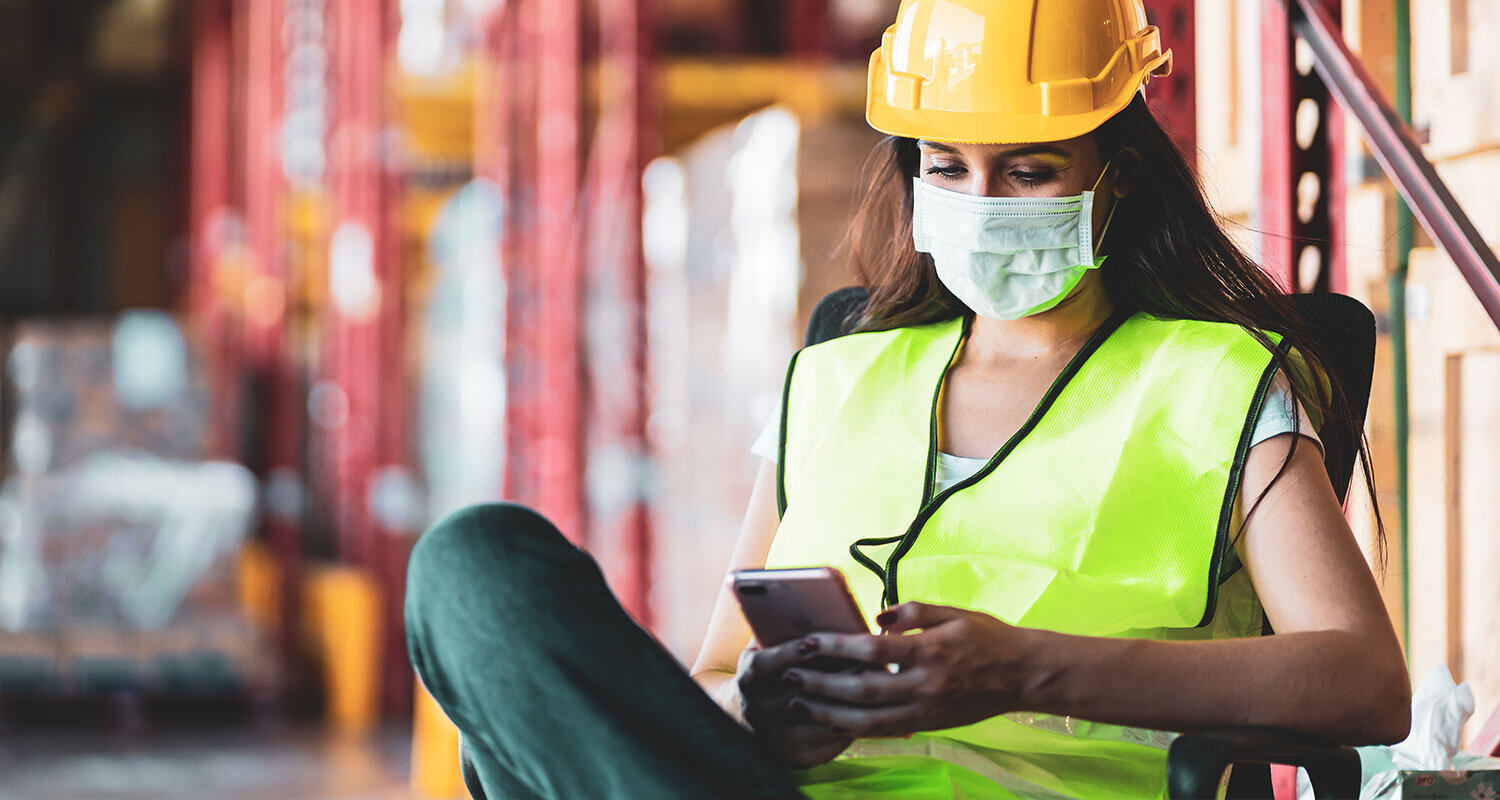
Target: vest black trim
[(930, 504), (1236, 474), (929, 476), (786, 396)]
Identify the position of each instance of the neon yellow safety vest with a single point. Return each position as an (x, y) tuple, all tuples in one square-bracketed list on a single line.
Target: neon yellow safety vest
[(1109, 513)]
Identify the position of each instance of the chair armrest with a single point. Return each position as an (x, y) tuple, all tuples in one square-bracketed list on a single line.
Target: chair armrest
[(830, 318), (1196, 761), (471, 775)]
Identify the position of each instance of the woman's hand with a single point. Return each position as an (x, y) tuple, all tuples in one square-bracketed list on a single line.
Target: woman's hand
[(765, 696), (964, 666)]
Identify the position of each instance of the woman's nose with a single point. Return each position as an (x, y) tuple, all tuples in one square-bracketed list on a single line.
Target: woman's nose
[(985, 184)]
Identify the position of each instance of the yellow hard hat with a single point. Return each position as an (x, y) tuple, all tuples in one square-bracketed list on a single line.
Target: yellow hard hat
[(1010, 71)]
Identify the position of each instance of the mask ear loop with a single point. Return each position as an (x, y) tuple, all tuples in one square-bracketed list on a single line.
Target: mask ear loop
[(1112, 206), (1102, 173)]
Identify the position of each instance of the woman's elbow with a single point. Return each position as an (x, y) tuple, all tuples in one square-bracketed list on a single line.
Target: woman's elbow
[(1385, 709), (1393, 714)]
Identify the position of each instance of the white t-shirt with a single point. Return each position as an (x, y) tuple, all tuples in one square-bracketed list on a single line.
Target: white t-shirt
[(1275, 419)]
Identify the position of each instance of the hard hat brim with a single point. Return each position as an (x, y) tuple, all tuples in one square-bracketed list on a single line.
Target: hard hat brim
[(983, 127)]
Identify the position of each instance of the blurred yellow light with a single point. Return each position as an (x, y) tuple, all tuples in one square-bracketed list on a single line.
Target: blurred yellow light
[(231, 273), (265, 301)]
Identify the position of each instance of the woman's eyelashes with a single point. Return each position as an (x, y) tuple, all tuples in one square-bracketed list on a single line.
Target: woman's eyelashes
[(1023, 177), (1033, 177), (945, 171)]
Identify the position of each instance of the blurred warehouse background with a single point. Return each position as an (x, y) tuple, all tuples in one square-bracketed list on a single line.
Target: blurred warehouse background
[(284, 281)]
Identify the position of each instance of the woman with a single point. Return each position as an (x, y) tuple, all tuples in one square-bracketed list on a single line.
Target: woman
[(1070, 461)]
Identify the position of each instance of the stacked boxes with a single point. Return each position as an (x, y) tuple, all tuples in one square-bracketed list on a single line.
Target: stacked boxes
[(117, 540)]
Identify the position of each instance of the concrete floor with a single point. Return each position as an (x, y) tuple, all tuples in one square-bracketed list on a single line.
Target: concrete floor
[(203, 763)]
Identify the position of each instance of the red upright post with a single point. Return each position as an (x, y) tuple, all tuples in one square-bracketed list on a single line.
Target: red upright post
[(366, 452), (514, 157), (265, 307), (352, 336), (1175, 99), (211, 220), (493, 97), (504, 152), (807, 29), (1277, 182), (528, 144), (622, 144), (394, 482), (1304, 227), (558, 264), (278, 412)]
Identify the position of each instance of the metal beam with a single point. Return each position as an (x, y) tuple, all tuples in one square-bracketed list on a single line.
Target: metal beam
[(1399, 154)]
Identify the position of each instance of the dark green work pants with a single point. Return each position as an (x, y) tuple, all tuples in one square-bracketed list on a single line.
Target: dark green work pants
[(557, 692)]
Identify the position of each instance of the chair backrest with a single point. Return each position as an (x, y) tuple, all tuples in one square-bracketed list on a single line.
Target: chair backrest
[(1346, 330), (1343, 325)]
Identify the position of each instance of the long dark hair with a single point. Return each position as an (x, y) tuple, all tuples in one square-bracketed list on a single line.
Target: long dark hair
[(1168, 256)]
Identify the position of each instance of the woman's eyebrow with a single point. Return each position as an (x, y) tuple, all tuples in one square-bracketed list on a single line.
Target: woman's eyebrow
[(946, 148), (1027, 150)]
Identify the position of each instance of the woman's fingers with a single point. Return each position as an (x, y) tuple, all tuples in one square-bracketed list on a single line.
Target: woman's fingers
[(869, 648), (858, 721), (808, 734), (868, 688), (807, 744), (766, 706), (913, 615), (764, 666)]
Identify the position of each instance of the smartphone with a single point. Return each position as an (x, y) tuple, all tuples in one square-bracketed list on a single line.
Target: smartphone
[(786, 604)]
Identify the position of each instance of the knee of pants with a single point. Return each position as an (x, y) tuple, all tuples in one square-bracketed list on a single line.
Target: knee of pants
[(482, 560), (485, 543), (479, 547)]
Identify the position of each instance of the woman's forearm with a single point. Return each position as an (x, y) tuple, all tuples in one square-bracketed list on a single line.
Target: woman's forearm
[(1326, 683)]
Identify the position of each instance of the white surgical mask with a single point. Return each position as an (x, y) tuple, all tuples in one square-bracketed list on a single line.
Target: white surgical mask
[(1007, 257)]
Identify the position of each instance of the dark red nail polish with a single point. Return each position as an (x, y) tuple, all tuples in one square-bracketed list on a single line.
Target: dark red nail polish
[(798, 709), (792, 679), (885, 618), (807, 645)]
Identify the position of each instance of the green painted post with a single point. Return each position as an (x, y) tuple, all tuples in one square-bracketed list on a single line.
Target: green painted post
[(1398, 279)]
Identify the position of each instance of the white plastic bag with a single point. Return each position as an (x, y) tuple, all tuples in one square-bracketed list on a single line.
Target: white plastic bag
[(1439, 709)]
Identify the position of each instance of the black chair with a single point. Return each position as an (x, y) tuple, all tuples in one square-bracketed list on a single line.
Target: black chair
[(1196, 761), (471, 775)]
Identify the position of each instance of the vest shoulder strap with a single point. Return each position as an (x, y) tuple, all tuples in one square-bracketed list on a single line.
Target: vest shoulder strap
[(821, 377)]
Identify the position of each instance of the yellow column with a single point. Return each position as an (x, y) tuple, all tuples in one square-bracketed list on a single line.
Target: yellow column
[(344, 604), (434, 751)]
